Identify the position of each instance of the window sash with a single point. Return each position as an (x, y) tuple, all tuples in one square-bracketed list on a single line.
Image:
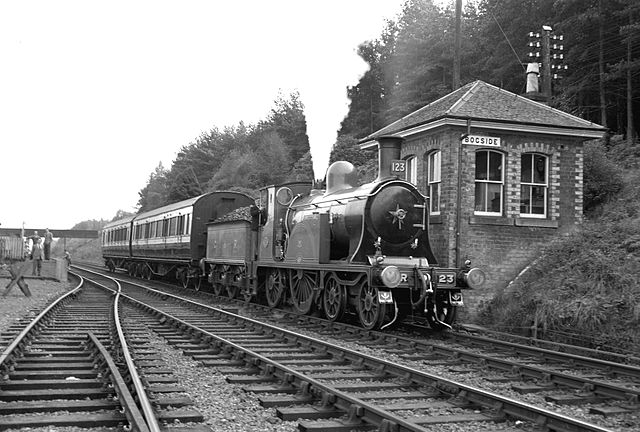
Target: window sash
[(534, 185), (533, 201), (412, 170), (434, 180), (489, 182)]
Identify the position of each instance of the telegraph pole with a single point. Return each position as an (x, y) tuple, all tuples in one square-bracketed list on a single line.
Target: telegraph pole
[(547, 52), (546, 66), (456, 50)]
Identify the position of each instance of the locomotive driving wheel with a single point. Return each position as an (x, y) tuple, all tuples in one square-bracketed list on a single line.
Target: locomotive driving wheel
[(370, 311), (302, 290), (334, 299), (275, 286)]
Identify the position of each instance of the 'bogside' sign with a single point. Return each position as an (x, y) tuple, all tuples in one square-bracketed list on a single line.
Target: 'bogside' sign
[(481, 140)]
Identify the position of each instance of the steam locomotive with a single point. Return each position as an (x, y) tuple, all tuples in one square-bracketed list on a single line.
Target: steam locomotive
[(351, 249)]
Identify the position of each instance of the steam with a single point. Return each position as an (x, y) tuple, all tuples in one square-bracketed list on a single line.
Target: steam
[(326, 107)]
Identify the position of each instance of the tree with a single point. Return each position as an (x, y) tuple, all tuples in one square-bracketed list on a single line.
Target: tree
[(288, 120), (155, 193), (369, 97), (272, 159), (303, 169), (366, 161), (422, 58)]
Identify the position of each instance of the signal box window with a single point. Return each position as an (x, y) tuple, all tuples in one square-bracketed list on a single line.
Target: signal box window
[(534, 184), (489, 183), (433, 181)]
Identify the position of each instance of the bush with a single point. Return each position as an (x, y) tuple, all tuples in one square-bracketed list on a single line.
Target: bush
[(602, 177), (585, 288)]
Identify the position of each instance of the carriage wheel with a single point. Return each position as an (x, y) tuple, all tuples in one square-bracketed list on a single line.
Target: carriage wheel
[(197, 283), (334, 299), (302, 290), (131, 269), (182, 276), (370, 311), (148, 274), (275, 286)]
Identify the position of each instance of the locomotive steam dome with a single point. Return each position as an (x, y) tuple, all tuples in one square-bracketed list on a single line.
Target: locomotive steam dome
[(341, 175), (392, 214)]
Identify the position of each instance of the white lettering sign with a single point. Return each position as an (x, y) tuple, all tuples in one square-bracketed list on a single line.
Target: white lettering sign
[(481, 140)]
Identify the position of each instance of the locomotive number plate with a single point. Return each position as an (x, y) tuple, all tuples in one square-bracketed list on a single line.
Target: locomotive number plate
[(398, 167), (446, 279), (385, 297)]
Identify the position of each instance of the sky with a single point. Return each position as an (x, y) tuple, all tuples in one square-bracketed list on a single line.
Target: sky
[(95, 94)]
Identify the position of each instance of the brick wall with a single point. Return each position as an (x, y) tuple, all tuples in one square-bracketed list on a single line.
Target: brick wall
[(501, 246)]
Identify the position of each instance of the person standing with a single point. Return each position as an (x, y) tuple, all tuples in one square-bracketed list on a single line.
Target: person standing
[(37, 254), (35, 238), (48, 239), (67, 257)]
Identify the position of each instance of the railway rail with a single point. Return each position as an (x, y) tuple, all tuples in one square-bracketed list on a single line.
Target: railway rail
[(57, 371), (76, 365), (347, 388)]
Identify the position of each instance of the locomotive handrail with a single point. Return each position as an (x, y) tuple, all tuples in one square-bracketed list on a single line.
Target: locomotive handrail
[(330, 201), (353, 198), (423, 225)]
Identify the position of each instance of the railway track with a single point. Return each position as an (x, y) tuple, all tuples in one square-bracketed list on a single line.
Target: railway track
[(346, 388), (75, 365)]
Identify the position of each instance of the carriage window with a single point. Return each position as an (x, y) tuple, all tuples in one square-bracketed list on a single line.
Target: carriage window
[(173, 225), (489, 182), (534, 185), (412, 170), (181, 225), (433, 182), (188, 224)]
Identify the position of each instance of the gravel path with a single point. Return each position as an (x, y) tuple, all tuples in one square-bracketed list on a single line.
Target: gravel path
[(16, 305)]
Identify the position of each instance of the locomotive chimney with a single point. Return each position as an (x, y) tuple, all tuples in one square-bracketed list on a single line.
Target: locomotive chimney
[(388, 151)]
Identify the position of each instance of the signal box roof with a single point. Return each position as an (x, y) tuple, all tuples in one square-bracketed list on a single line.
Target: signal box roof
[(487, 106)]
